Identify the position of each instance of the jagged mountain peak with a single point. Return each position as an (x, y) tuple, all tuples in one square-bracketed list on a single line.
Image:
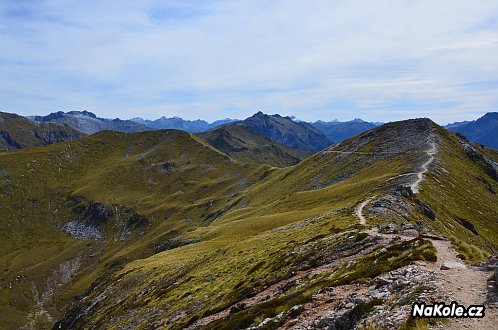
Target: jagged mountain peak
[(299, 135)]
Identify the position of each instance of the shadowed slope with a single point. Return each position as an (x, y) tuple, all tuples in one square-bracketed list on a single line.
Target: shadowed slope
[(246, 146), (297, 135), (17, 132)]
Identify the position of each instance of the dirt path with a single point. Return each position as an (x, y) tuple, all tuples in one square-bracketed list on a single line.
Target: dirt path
[(425, 167), (467, 285), (366, 153), (359, 211)]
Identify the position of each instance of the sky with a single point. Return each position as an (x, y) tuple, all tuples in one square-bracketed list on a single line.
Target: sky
[(211, 59)]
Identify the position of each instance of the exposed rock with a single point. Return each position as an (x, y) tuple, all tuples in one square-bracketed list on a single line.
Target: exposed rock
[(490, 166), (237, 308), (391, 205), (96, 214), (426, 210), (167, 167), (82, 231), (447, 264), (469, 225), (295, 311), (405, 191), (138, 220)]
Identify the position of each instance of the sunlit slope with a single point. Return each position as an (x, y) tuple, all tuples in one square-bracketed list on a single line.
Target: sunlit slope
[(139, 190), (288, 222), (193, 232)]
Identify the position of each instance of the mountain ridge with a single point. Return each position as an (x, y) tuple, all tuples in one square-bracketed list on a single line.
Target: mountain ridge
[(289, 205), (88, 123), (482, 130), (339, 131), (190, 126)]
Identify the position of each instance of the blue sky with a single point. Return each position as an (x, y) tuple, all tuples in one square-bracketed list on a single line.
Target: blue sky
[(377, 60)]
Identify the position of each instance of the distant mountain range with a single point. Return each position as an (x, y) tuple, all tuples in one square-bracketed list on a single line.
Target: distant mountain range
[(191, 126), (288, 131), (18, 132), (483, 130), (88, 123)]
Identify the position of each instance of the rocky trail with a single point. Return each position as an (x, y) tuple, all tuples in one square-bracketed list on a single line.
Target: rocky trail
[(425, 167), (465, 284), (359, 211)]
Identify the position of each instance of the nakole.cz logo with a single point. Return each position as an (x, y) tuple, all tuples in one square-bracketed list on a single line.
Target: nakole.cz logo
[(453, 310)]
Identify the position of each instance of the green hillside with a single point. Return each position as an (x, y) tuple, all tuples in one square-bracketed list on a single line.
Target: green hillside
[(245, 145), (153, 186), (167, 232)]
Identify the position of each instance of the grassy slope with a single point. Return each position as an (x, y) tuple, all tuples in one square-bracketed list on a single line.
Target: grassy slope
[(244, 145), (457, 190), (234, 209), (174, 284), (38, 188)]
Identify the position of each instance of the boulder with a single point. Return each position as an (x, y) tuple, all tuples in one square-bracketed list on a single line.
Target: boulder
[(448, 264), (469, 225)]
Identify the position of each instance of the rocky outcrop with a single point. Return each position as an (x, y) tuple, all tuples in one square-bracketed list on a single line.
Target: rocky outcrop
[(96, 214), (448, 264), (426, 210), (469, 225), (87, 220), (175, 243)]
